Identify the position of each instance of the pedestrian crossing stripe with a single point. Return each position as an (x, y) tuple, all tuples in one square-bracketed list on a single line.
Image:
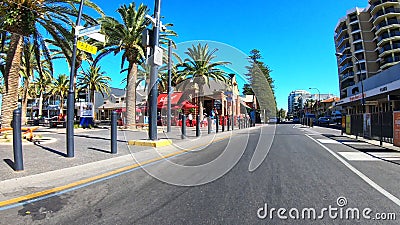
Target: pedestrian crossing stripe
[(328, 141)]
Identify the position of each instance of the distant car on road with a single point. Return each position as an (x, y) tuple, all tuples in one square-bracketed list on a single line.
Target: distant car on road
[(323, 120), (273, 120), (296, 120)]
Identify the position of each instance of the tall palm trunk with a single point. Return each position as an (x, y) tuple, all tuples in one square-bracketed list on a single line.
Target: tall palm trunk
[(41, 104), (11, 80), (92, 100), (131, 94), (201, 99)]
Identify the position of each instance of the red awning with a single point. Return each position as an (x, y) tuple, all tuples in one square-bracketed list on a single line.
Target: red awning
[(188, 105), (163, 99)]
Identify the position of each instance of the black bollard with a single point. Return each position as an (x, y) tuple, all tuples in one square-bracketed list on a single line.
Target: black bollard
[(17, 141), (239, 121), (216, 124), (197, 125), (209, 121), (228, 124), (183, 136), (113, 132)]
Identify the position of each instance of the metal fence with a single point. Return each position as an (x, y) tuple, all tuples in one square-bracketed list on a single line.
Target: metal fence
[(373, 125)]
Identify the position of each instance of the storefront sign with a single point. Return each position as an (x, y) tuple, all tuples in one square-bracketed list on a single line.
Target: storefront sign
[(396, 128)]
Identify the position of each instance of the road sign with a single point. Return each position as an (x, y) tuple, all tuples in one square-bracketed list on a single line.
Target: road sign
[(98, 37), (86, 47), (158, 56), (89, 30)]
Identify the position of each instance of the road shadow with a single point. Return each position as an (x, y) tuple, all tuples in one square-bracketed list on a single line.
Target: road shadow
[(10, 163), (96, 138), (100, 150), (51, 150)]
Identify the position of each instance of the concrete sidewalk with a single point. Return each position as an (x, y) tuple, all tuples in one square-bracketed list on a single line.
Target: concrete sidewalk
[(46, 167)]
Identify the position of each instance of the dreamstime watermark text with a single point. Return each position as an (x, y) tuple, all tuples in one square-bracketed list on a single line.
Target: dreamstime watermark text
[(335, 212)]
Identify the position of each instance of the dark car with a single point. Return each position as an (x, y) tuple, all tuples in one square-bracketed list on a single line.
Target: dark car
[(323, 120)]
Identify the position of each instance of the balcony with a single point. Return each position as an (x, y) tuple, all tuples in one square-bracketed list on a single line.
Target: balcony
[(388, 23), (347, 75), (347, 84), (342, 49), (340, 42), (344, 58), (378, 14), (395, 33), (385, 48), (340, 31), (345, 67)]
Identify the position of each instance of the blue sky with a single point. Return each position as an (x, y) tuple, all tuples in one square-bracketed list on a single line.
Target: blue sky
[(295, 38)]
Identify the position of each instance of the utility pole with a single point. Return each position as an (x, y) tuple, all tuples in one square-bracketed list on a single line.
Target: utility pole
[(71, 92), (154, 75), (169, 89)]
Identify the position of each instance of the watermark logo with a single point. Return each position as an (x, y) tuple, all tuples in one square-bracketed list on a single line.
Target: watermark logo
[(334, 212)]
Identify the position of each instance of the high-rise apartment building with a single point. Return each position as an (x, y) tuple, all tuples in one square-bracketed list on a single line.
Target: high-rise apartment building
[(367, 42), (295, 100), (356, 48), (385, 17)]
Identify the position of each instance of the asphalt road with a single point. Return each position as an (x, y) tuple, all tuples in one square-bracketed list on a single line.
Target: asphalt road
[(300, 172)]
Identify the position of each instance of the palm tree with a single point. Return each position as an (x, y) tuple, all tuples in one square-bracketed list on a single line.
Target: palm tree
[(201, 68), (126, 38), (59, 87), (27, 18), (94, 80), (41, 84)]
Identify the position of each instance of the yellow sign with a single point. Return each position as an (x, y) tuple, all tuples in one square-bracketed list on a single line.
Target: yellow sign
[(86, 47), (348, 124)]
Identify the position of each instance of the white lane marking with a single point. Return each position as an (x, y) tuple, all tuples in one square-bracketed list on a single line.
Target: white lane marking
[(361, 175), (357, 156), (328, 141)]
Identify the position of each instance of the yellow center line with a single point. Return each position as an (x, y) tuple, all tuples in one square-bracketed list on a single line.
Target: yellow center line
[(90, 179)]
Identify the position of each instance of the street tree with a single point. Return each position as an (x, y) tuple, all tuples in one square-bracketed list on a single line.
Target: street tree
[(201, 67), (29, 18)]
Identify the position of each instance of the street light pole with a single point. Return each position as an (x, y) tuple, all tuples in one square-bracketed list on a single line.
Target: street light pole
[(71, 92), (232, 75), (319, 98), (338, 54), (154, 75), (169, 89)]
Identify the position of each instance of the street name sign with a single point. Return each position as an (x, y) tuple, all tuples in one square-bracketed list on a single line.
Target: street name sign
[(89, 30), (86, 47)]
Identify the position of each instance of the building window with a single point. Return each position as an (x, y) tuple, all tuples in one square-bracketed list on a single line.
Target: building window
[(360, 56), (355, 27), (353, 18), (356, 36), (358, 46)]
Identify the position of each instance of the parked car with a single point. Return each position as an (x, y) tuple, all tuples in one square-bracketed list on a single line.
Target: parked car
[(296, 120), (323, 121)]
